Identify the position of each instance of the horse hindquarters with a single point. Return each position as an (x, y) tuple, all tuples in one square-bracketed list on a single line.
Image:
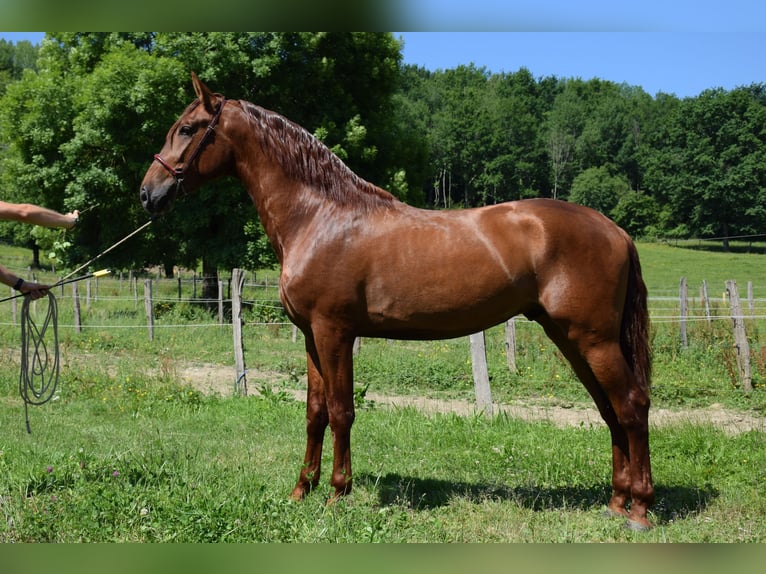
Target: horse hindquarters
[(615, 372)]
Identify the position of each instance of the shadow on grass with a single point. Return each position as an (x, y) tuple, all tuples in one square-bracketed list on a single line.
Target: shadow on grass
[(672, 502)]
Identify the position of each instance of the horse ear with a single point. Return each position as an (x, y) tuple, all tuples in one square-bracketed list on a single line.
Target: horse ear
[(203, 93)]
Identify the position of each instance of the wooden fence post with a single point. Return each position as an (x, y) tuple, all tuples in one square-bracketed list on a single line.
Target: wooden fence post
[(480, 373), (706, 302), (76, 308), (149, 307), (237, 281), (683, 296), (740, 337), (220, 302), (510, 344)]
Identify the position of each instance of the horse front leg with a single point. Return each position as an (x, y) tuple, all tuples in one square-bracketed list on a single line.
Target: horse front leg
[(316, 423), (334, 349)]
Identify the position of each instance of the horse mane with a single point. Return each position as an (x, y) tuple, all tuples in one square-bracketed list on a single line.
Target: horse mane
[(307, 159)]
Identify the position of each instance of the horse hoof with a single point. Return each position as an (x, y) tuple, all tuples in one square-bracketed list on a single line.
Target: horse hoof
[(298, 494), (642, 525)]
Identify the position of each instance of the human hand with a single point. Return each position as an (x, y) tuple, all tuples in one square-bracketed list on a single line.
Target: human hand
[(72, 218), (34, 290)]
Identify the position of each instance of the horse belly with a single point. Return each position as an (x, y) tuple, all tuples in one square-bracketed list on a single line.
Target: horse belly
[(422, 302)]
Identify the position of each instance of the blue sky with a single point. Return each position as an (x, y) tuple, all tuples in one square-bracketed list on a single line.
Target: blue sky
[(682, 61), (583, 15)]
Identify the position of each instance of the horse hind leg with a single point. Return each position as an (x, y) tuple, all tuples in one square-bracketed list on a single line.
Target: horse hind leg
[(605, 374), (628, 420)]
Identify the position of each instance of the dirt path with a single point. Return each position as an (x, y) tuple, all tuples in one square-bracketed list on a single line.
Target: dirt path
[(220, 380)]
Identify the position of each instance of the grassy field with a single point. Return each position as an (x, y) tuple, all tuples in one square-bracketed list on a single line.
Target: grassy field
[(128, 452), (150, 462)]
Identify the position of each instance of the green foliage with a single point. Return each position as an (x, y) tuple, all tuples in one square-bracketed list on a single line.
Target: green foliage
[(638, 214), (707, 165), (14, 59), (81, 116), (597, 188), (81, 129), (259, 253)]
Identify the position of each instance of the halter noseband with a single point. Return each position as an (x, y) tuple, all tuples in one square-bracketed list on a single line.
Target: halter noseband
[(178, 172)]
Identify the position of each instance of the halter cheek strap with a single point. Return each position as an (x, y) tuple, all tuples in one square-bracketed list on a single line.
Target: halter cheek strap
[(178, 172)]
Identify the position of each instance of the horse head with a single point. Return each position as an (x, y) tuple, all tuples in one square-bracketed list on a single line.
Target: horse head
[(193, 152)]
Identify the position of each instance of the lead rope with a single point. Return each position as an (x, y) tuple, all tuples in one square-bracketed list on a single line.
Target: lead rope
[(39, 372)]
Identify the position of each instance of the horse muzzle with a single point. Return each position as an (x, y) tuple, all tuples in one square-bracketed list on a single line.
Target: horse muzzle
[(157, 201)]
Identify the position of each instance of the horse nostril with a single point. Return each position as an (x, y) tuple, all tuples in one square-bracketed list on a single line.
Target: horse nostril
[(144, 197)]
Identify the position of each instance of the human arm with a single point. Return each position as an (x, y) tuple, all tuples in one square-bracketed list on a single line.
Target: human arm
[(36, 215), (34, 290)]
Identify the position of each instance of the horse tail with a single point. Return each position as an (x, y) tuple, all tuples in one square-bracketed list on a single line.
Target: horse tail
[(634, 336)]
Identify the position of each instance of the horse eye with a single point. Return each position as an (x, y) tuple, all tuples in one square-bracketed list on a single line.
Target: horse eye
[(186, 131)]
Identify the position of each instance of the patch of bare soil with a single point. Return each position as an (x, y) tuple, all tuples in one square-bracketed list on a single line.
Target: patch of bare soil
[(214, 379)]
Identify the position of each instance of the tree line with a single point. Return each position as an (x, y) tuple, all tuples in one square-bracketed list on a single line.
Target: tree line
[(82, 114)]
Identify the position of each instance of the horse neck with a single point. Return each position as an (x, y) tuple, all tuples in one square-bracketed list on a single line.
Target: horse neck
[(287, 205)]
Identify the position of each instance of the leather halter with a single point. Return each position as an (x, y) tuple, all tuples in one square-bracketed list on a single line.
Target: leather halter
[(179, 172)]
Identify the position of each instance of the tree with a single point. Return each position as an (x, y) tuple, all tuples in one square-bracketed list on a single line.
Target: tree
[(514, 161), (81, 141), (461, 132), (564, 124), (637, 213), (82, 129), (710, 167), (560, 150), (419, 102), (14, 59), (36, 120), (597, 188)]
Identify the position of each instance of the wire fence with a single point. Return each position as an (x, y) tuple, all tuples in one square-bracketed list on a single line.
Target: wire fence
[(664, 306), (262, 308)]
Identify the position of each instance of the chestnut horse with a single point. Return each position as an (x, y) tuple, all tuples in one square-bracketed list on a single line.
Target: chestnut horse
[(355, 262)]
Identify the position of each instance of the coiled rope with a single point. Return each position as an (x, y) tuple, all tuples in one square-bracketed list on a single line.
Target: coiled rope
[(39, 373)]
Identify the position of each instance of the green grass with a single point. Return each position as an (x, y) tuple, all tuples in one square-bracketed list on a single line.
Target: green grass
[(129, 453), (664, 265), (167, 464)]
